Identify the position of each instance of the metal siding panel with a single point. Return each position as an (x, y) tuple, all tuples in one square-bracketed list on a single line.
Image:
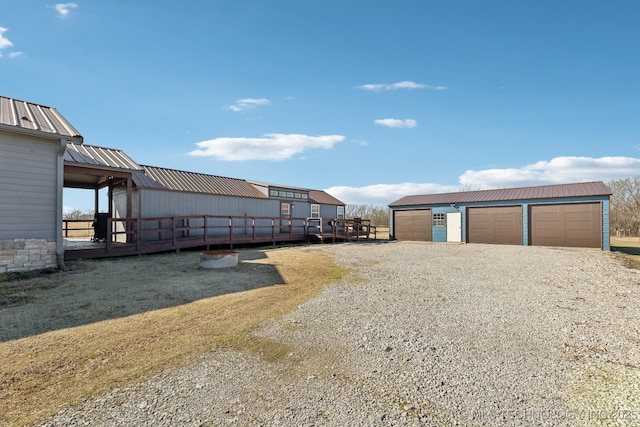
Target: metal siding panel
[(438, 234), (605, 226), (28, 187), (525, 224), (174, 203), (326, 211)]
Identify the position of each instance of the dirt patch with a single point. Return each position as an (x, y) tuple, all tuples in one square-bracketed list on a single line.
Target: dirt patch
[(112, 322)]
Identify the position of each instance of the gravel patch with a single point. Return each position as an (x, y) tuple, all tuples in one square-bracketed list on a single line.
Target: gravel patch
[(430, 334)]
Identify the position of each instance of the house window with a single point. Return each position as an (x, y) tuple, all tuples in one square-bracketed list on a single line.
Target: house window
[(340, 212), (315, 211), (285, 210), (438, 220)]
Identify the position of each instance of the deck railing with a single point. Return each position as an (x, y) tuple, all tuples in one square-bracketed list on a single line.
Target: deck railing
[(77, 228), (147, 235)]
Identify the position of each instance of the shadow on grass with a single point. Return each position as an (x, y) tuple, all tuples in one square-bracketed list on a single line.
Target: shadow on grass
[(629, 250), (98, 290)]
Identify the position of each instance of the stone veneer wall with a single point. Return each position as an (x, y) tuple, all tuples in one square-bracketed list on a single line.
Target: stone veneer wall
[(27, 254)]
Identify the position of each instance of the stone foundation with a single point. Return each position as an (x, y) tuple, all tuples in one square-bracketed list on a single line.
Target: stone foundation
[(27, 254)]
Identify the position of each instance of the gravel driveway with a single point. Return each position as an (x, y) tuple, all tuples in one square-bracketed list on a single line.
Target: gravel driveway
[(433, 334)]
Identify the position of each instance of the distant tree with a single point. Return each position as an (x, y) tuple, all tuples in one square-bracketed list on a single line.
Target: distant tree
[(624, 212), (88, 215), (379, 216), (77, 214), (74, 214)]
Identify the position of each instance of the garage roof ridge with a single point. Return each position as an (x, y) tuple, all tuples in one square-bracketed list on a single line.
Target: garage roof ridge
[(583, 189)]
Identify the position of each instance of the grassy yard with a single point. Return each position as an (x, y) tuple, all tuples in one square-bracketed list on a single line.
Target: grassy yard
[(140, 316)]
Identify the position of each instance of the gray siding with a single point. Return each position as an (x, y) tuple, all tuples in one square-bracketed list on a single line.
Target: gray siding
[(328, 211), (168, 203), (28, 187)]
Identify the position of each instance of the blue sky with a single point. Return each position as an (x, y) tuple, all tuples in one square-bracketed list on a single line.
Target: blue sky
[(369, 100)]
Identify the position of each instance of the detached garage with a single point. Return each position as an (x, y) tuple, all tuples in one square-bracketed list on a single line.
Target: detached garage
[(571, 215)]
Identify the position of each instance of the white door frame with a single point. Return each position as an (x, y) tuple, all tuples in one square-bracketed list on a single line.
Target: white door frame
[(454, 227)]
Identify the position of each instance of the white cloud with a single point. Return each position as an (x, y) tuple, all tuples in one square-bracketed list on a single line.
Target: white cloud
[(63, 9), (248, 103), (383, 194), (273, 147), (397, 123), (4, 42), (399, 85), (559, 170), (15, 54)]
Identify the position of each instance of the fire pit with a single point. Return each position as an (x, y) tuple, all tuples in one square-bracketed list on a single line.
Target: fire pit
[(218, 259)]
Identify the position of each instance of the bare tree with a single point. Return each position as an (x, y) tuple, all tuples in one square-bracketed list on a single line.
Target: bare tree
[(624, 213), (74, 214), (379, 216), (77, 214)]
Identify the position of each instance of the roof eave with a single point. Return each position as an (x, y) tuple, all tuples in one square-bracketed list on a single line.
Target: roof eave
[(40, 134), (100, 167)]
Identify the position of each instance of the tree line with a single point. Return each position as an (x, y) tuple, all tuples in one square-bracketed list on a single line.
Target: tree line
[(378, 215), (624, 210)]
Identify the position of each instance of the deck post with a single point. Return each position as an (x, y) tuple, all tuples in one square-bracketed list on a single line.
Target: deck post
[(107, 241), (173, 231), (273, 231), (138, 236)]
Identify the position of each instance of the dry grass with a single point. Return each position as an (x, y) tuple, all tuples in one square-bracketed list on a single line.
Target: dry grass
[(628, 250), (382, 233), (43, 373)]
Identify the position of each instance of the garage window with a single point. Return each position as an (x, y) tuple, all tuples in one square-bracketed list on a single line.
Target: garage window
[(438, 220)]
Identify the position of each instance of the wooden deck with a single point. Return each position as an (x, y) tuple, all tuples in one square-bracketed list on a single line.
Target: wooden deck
[(138, 236)]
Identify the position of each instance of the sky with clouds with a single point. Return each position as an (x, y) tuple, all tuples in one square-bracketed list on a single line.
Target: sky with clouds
[(368, 101)]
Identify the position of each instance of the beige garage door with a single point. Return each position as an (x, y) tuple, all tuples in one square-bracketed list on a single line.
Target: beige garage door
[(412, 225), (498, 225), (571, 224)]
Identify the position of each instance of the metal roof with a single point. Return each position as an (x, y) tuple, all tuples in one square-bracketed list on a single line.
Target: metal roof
[(29, 117), (323, 198), (315, 196), (584, 189), (194, 182), (93, 156)]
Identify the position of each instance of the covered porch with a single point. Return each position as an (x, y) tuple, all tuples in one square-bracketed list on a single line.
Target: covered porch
[(96, 168)]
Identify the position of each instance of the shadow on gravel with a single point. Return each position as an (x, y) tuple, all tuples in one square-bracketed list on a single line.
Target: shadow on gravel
[(97, 290)]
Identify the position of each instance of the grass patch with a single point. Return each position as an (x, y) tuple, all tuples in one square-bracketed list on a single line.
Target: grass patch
[(604, 394), (24, 275), (44, 373)]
